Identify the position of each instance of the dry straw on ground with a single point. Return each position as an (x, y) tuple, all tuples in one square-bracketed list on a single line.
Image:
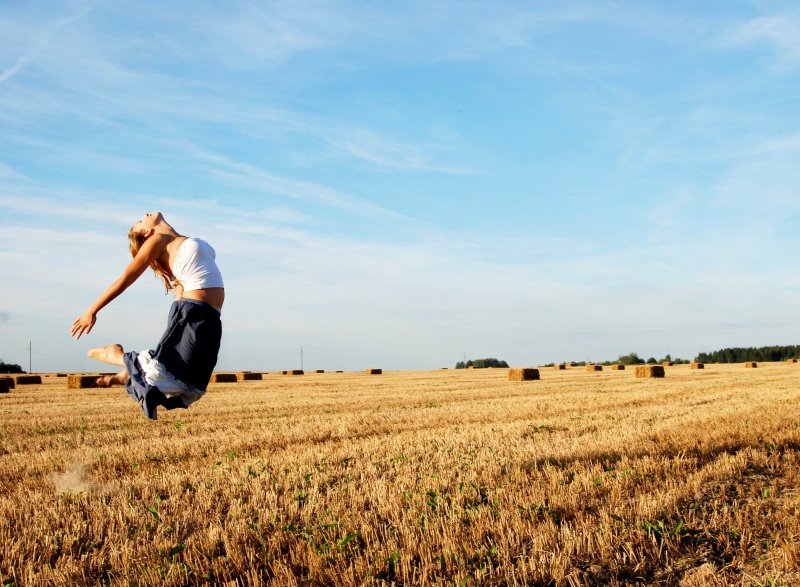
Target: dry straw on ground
[(524, 374), (450, 478), (649, 371)]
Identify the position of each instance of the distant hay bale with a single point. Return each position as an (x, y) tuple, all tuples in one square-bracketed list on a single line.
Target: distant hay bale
[(526, 374), (649, 371), (697, 365), (667, 363), (340, 371), (319, 371), (471, 367), (61, 374), (296, 372), (223, 378), (443, 368), (378, 371), (28, 379), (248, 376), (81, 381), (559, 367), (9, 382), (3, 385), (571, 364), (792, 361), (594, 367), (750, 365), (619, 367)]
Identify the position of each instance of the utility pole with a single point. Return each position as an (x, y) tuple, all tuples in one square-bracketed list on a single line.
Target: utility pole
[(301, 358), (30, 352)]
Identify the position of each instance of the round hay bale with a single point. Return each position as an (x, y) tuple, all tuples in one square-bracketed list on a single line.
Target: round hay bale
[(296, 372), (667, 363), (619, 367), (792, 361), (649, 371), (9, 382), (559, 367), (594, 367), (697, 365), (526, 374), (750, 365), (28, 379), (3, 385), (378, 371), (319, 371)]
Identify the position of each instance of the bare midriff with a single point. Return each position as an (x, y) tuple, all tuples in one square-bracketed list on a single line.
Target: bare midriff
[(214, 296)]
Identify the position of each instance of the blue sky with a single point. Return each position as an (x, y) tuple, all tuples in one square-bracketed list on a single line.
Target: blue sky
[(399, 185)]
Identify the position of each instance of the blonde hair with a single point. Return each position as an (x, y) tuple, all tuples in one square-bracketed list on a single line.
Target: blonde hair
[(136, 242)]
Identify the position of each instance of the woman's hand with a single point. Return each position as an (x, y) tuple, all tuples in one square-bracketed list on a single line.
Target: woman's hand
[(84, 324)]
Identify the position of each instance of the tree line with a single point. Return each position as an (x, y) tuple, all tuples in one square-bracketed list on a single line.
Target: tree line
[(740, 354), (481, 364), (10, 368)]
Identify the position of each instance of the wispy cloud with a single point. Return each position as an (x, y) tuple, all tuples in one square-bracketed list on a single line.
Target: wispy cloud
[(780, 33)]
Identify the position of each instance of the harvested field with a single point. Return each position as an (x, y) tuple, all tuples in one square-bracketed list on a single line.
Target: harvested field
[(453, 477)]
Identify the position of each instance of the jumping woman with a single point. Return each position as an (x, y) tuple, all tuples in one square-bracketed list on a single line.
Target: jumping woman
[(176, 373)]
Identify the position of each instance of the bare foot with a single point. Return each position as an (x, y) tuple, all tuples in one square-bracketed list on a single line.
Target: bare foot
[(120, 378), (108, 354)]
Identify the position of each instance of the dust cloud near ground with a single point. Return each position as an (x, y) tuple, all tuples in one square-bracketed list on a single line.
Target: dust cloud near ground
[(77, 479)]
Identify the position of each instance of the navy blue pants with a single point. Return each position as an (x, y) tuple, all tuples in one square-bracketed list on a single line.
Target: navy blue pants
[(188, 350)]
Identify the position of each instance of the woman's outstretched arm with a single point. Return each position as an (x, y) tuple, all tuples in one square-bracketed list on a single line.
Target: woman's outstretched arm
[(151, 250)]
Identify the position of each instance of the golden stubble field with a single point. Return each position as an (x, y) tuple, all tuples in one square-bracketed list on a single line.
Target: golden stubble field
[(410, 478)]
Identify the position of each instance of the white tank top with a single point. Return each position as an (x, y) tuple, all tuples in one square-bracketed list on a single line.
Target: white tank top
[(195, 266)]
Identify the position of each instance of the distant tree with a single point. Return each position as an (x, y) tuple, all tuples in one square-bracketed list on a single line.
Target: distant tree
[(481, 363), (740, 354), (9, 368), (652, 361), (630, 359), (668, 359)]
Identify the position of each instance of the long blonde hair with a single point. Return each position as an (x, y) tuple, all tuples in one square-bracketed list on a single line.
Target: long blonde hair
[(136, 242)]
